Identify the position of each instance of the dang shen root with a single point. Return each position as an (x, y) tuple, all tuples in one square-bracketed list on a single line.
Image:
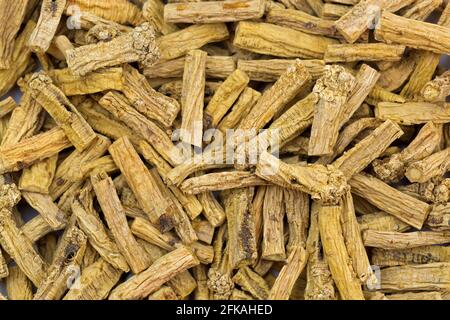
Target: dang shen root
[(138, 45), (224, 150)]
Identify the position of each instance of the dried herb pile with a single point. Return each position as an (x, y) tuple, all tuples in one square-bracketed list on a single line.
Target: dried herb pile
[(120, 144)]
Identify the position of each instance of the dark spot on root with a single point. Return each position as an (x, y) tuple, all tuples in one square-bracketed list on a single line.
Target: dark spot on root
[(53, 7), (70, 252), (165, 223)]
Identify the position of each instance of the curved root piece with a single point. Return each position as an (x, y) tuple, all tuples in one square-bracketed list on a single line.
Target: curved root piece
[(323, 183)]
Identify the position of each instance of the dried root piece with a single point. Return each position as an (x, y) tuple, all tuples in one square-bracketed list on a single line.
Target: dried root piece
[(93, 82), (251, 282), (420, 255), (138, 45), (333, 89), (18, 286), (95, 282), (31, 150), (156, 206), (183, 226), (420, 10), (271, 70), (380, 94), (225, 96), (241, 108), (368, 149), (333, 242), (219, 281), (381, 221), (183, 284), (53, 100), (214, 11), (146, 100), (363, 52), (374, 295), (439, 217), (4, 272), (114, 213), (25, 121), (68, 256), (6, 106), (284, 283), (435, 190), (414, 34), (211, 159), (202, 291), (431, 276), (273, 225), (216, 67), (164, 293), (174, 88), (279, 41), (121, 109), (177, 44), (212, 209), (323, 183), (153, 12), (20, 60), (293, 122), (436, 295), (302, 21), (296, 205), (365, 79), (392, 169), (426, 64), (36, 229), (204, 230), (192, 98), (39, 176), (332, 11), (221, 181), (120, 11), (434, 165), (274, 99), (150, 280), (168, 241), (390, 200), (51, 13), (69, 172), (394, 77), (396, 240), (102, 33), (438, 89), (240, 295), (354, 243), (9, 193), (90, 223), (103, 123), (410, 113), (45, 206), (105, 163), (358, 19), (12, 15), (347, 136), (316, 6), (190, 203), (21, 249), (240, 222)]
